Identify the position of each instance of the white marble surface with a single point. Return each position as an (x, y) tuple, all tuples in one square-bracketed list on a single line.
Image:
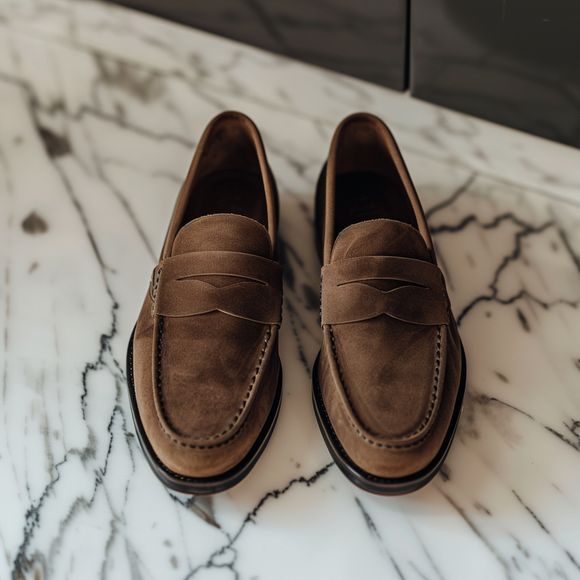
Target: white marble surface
[(100, 110)]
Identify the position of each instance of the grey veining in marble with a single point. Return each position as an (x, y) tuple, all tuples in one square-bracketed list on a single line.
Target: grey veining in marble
[(100, 111)]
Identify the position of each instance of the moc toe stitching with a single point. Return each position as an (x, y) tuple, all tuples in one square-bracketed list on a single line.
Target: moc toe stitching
[(238, 421), (426, 423), (364, 432)]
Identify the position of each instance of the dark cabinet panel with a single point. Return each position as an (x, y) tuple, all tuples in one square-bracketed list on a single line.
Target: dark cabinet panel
[(515, 62), (365, 39)]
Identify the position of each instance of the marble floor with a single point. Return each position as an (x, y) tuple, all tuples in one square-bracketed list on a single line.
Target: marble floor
[(100, 111)]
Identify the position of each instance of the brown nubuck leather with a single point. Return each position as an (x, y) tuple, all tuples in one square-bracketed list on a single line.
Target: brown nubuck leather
[(203, 367), (390, 376)]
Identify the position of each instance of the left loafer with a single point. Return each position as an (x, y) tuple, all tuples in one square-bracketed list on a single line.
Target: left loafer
[(203, 369)]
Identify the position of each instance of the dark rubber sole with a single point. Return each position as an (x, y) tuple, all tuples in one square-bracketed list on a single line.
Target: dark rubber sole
[(373, 483), (202, 485)]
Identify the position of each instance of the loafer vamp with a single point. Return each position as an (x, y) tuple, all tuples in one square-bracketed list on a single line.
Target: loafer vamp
[(207, 373), (184, 453), (373, 452), (206, 380), (390, 372), (385, 380)]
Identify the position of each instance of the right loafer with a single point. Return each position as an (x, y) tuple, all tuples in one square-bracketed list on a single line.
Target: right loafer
[(389, 380), (203, 369)]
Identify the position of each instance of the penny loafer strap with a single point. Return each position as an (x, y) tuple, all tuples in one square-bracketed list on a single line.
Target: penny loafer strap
[(178, 288), (349, 296)]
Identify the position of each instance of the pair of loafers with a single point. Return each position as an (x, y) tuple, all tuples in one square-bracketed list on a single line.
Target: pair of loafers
[(203, 368)]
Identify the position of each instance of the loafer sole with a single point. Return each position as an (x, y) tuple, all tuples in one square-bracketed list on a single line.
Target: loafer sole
[(200, 485), (372, 483)]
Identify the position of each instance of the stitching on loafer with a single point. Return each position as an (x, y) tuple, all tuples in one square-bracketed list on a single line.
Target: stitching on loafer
[(425, 422), (383, 445), (153, 285), (234, 421)]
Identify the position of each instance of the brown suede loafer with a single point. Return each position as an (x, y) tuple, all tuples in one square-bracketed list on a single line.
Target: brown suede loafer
[(203, 369), (390, 376)]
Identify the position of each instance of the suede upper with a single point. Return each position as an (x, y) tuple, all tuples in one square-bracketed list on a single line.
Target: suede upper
[(390, 362), (206, 363)]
